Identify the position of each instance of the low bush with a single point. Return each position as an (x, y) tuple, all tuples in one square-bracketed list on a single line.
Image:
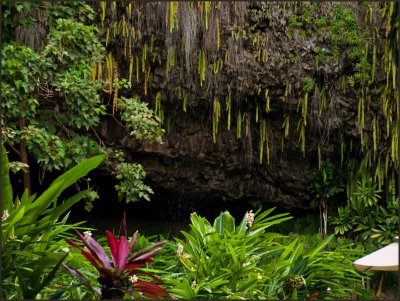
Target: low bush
[(223, 260)]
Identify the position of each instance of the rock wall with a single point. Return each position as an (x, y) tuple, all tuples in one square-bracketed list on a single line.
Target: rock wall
[(189, 162)]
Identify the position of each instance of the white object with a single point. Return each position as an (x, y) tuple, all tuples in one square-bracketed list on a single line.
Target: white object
[(384, 259)]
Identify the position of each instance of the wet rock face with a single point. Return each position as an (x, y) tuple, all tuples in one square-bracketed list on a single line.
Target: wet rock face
[(190, 163)]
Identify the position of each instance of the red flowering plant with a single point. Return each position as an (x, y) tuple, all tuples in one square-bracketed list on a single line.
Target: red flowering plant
[(121, 274)]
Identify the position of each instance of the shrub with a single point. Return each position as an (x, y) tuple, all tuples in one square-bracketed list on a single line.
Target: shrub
[(223, 260)]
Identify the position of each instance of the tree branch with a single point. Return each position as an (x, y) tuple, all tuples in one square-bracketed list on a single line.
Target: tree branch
[(14, 149)]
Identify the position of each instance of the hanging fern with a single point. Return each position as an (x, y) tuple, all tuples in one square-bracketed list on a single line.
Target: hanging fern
[(137, 67), (202, 66), (103, 5), (185, 99), (158, 110), (216, 117), (116, 86), (286, 125), (239, 125), (267, 101), (229, 106), (171, 14)]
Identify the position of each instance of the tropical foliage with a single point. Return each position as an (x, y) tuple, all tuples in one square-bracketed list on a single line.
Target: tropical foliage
[(33, 230), (366, 218), (121, 275), (70, 70), (324, 184), (52, 102), (223, 260), (212, 261)]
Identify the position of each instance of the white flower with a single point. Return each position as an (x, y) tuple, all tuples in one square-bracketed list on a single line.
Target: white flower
[(5, 215), (329, 289), (12, 237), (180, 250), (246, 264), (87, 234), (194, 284), (133, 279), (250, 218)]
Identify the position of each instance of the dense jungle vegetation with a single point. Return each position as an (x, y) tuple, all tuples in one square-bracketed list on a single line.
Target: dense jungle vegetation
[(84, 85)]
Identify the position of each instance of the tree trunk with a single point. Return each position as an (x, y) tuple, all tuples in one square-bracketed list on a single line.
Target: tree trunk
[(24, 159), (31, 36), (378, 290), (34, 33), (321, 231), (323, 215)]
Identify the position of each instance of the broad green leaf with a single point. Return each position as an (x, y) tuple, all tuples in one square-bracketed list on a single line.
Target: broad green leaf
[(192, 242), (182, 289), (26, 199), (26, 292), (242, 253), (263, 214), (62, 208), (219, 224), (296, 253), (300, 266), (214, 282), (288, 249), (60, 184), (6, 188), (233, 254), (278, 216), (321, 245), (243, 226)]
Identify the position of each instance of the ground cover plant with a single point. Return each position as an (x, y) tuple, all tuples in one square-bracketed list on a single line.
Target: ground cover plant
[(222, 260)]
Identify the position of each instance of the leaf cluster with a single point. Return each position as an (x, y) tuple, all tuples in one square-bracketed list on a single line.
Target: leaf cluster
[(222, 260), (365, 218), (140, 120), (131, 186), (324, 183), (32, 232), (53, 93)]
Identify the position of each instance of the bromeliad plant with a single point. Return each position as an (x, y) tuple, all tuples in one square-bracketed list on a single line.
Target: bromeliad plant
[(119, 276)]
